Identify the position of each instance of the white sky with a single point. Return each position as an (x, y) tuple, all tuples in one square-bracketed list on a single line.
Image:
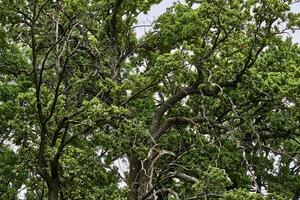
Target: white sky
[(159, 9)]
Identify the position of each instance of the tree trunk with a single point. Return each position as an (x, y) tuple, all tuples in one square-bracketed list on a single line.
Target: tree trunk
[(53, 191), (54, 185), (140, 187), (134, 170), (145, 182)]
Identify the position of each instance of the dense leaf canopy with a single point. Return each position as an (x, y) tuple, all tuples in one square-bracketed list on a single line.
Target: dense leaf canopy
[(203, 106)]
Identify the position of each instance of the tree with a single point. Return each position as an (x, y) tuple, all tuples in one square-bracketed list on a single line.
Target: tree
[(202, 107)]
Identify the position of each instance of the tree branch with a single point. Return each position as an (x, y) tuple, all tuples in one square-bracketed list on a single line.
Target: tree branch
[(61, 75), (154, 127), (186, 121)]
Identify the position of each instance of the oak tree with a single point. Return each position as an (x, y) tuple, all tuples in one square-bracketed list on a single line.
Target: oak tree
[(203, 106)]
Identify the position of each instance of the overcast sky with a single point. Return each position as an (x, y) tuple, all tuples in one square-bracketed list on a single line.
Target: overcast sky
[(159, 9)]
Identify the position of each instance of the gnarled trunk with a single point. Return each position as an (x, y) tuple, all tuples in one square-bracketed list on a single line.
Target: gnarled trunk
[(140, 177)]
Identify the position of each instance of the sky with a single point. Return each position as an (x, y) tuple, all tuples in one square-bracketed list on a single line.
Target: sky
[(159, 9)]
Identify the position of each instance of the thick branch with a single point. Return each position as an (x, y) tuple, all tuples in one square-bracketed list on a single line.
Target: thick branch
[(61, 76), (186, 121), (62, 124), (184, 92), (113, 22)]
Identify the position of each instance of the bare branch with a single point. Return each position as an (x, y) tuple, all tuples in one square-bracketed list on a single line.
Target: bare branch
[(185, 177)]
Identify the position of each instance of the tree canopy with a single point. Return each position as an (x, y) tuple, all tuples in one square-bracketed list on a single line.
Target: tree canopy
[(203, 106)]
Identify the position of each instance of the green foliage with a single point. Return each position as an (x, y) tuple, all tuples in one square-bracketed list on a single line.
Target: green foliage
[(204, 106), (12, 174), (214, 180)]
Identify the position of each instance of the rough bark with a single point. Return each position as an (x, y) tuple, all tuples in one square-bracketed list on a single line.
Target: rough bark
[(53, 191), (134, 169)]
